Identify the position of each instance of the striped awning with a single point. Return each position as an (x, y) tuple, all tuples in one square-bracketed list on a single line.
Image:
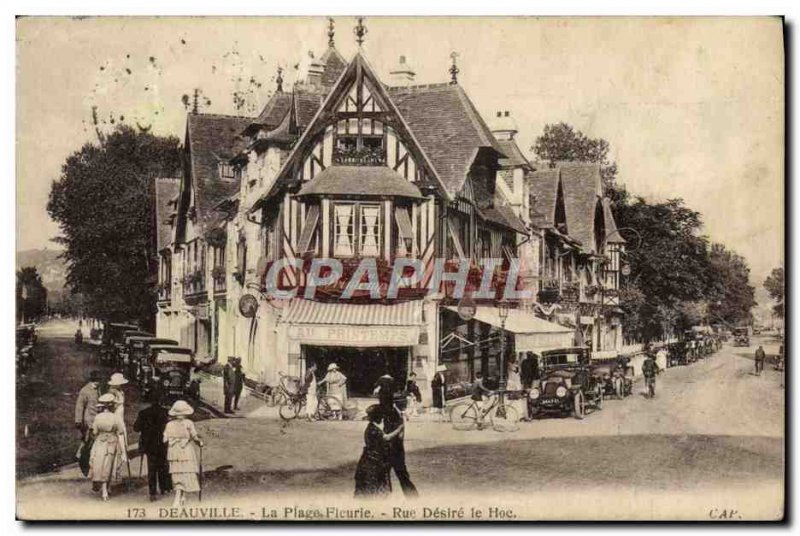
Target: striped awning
[(302, 311)]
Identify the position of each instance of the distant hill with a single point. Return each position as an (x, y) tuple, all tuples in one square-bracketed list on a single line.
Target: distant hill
[(51, 268)]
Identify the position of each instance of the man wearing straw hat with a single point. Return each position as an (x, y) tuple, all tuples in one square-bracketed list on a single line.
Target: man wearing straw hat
[(151, 423), (85, 413)]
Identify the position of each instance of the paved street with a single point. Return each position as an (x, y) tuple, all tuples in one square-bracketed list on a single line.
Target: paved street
[(713, 430)]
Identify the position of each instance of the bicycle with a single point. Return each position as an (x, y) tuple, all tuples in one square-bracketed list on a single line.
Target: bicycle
[(293, 404), (503, 417)]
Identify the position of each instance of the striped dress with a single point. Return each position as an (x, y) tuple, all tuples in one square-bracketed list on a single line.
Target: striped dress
[(181, 435)]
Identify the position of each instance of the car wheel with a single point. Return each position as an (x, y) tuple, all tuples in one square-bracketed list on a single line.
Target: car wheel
[(578, 406)]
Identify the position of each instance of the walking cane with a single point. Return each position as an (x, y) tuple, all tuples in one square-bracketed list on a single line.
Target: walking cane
[(200, 492), (141, 462)]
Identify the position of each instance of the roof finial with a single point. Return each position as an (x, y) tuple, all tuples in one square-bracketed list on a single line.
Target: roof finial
[(331, 31), (279, 80), (454, 70), (360, 30), (195, 106)]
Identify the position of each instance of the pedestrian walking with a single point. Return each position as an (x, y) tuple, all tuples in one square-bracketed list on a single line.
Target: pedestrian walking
[(85, 413), (115, 383), (108, 450), (372, 472), (238, 382), (309, 388), (526, 370), (229, 383), (151, 423), (514, 382), (439, 386), (392, 422), (180, 436), (336, 386), (649, 370), (761, 356), (413, 396)]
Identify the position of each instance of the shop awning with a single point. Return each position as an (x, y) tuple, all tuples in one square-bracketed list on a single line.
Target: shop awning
[(301, 311), (531, 334)]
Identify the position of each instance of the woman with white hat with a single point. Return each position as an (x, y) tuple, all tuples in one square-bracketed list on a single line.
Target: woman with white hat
[(179, 435), (115, 383), (107, 451), (336, 384)]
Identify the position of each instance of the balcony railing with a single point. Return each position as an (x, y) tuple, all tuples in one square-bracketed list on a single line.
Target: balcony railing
[(365, 156)]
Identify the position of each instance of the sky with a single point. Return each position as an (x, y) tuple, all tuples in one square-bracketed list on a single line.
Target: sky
[(692, 108)]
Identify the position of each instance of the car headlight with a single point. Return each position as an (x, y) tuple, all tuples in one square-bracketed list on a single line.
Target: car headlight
[(561, 391), (534, 394), (166, 383)]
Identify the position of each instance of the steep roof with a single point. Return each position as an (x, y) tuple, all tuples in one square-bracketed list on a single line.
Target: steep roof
[(166, 189), (544, 188), (275, 110), (612, 233), (583, 189), (334, 64), (448, 127), (212, 139), (373, 181), (514, 156)]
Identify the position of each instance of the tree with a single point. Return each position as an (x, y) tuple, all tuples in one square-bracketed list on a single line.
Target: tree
[(31, 294), (102, 203), (561, 142), (775, 286), (730, 295)]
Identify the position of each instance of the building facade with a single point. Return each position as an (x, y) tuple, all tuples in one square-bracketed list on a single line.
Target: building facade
[(346, 166)]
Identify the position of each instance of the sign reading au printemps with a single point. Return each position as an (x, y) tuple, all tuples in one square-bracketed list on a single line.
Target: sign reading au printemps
[(356, 335)]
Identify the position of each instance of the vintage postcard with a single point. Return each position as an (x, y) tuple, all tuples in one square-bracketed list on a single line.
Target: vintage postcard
[(400, 269)]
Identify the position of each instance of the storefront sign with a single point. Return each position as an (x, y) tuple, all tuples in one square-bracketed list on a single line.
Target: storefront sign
[(355, 335)]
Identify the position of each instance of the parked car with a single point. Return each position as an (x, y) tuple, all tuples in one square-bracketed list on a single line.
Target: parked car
[(678, 354), (615, 380), (113, 335), (138, 351), (741, 337), (25, 340), (567, 385), (171, 368)]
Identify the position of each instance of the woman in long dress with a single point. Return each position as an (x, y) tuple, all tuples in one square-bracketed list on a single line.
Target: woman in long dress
[(336, 385), (108, 450), (115, 384), (180, 435), (372, 472)]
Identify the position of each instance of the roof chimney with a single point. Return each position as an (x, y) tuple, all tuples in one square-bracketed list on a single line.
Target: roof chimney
[(402, 74), (504, 127), (315, 70)]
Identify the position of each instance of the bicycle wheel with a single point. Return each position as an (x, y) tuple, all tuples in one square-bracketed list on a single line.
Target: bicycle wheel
[(289, 410), (325, 405), (505, 418), (464, 416), (277, 398)]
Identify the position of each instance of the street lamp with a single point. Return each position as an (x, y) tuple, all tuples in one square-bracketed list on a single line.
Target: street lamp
[(502, 311)]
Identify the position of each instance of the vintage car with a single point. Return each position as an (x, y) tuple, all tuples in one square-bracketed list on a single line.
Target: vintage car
[(170, 368), (678, 354), (26, 338), (567, 385), (741, 337), (112, 336), (137, 352), (615, 379), (122, 349)]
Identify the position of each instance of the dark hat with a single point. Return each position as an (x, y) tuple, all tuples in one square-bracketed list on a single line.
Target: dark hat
[(374, 412), (95, 376)]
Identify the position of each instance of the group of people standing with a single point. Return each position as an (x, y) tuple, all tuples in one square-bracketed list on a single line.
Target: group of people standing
[(167, 439)]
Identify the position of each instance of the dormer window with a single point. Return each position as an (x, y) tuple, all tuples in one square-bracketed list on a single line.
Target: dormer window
[(227, 171)]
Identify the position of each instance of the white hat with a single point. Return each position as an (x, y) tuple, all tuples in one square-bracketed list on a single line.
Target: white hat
[(333, 366), (181, 407), (117, 379), (106, 399), (441, 368)]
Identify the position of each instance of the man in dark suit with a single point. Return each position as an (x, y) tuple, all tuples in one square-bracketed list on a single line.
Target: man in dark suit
[(228, 383), (150, 423), (238, 382)]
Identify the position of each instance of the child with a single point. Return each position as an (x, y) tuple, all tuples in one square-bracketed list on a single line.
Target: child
[(183, 466)]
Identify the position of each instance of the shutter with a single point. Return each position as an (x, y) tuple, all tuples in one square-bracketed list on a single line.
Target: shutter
[(312, 217), (404, 226)]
